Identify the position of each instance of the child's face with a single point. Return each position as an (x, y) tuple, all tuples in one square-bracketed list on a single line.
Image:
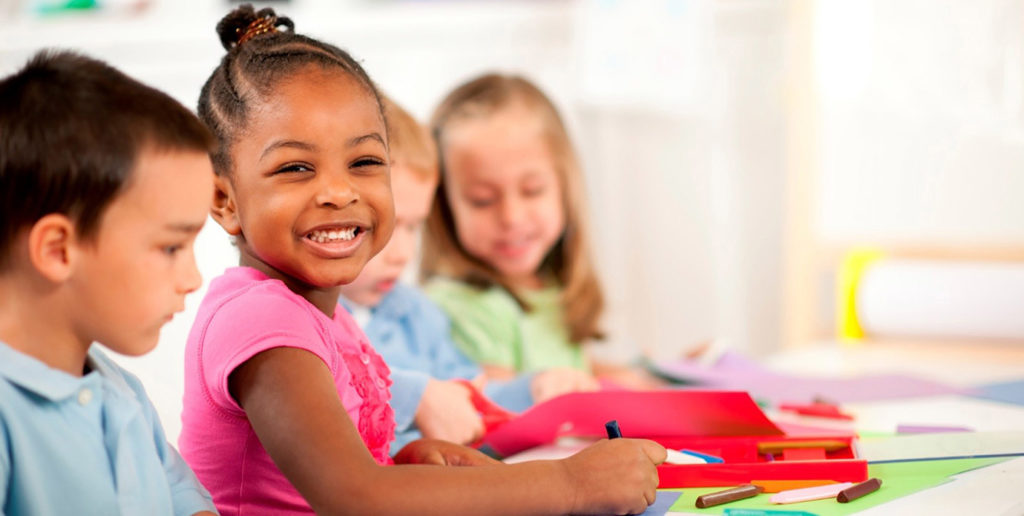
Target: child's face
[(412, 204), (504, 191), (133, 277), (310, 185)]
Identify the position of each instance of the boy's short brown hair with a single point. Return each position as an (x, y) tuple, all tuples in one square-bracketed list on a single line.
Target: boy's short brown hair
[(71, 131), (409, 142)]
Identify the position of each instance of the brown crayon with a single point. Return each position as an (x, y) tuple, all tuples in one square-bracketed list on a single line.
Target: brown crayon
[(779, 446), (729, 495), (856, 491)]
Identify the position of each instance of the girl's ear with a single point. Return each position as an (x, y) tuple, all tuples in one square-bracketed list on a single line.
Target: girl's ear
[(223, 209), (51, 246)]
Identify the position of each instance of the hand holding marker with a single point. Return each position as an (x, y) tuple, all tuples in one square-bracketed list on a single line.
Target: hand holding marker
[(672, 456)]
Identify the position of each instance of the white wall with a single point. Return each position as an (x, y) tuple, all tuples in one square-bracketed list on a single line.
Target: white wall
[(923, 122)]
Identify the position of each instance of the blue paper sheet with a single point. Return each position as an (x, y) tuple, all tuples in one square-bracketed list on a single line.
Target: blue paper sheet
[(1008, 392), (663, 503)]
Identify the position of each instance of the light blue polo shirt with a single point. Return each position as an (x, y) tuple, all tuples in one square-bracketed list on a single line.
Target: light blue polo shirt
[(414, 337), (89, 445)]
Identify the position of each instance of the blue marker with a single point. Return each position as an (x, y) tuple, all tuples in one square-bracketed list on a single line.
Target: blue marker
[(612, 427), (765, 512), (710, 459)]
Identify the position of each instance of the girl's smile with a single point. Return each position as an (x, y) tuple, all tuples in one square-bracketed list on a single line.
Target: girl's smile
[(335, 240)]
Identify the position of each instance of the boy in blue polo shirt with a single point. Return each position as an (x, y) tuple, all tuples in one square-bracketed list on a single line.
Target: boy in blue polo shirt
[(104, 184), (412, 333)]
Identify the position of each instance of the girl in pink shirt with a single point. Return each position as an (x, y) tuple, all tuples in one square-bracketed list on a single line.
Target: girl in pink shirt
[(285, 401)]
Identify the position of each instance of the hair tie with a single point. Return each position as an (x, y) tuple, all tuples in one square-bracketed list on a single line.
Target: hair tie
[(263, 25)]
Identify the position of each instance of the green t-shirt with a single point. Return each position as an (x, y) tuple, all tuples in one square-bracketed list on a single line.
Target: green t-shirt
[(490, 328)]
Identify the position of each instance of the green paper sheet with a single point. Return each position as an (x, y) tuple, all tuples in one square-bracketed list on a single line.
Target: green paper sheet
[(898, 479)]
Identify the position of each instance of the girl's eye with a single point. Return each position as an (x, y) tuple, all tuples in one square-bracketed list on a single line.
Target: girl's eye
[(368, 163), (171, 250), (533, 191), (481, 203), (293, 168)]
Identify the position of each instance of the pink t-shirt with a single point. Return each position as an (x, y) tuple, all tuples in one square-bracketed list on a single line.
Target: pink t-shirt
[(245, 312)]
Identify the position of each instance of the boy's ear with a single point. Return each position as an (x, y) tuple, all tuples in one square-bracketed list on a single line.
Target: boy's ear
[(50, 246), (223, 208)]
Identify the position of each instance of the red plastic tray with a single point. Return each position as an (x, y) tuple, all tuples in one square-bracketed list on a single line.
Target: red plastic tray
[(743, 464)]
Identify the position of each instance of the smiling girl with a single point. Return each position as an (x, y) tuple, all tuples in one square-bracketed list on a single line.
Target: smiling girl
[(507, 243), (286, 403)]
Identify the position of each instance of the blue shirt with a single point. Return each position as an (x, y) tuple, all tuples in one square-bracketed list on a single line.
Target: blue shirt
[(89, 445), (414, 337)]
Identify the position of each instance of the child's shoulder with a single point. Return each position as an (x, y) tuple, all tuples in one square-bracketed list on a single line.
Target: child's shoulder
[(456, 295), (23, 377), (246, 293), (410, 303), (113, 372)]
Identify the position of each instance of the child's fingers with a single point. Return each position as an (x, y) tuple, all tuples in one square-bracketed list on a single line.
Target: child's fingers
[(476, 432), (654, 451), (479, 382), (651, 494), (470, 457)]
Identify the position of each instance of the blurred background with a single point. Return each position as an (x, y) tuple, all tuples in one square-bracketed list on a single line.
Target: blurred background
[(735, 150)]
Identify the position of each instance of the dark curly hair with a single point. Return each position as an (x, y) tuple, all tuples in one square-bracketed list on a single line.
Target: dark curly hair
[(260, 54)]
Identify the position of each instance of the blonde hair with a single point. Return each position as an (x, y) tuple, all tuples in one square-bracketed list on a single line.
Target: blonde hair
[(568, 260), (409, 142)]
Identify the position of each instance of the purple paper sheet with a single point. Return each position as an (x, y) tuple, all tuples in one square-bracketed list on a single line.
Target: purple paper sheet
[(735, 372), (929, 429)]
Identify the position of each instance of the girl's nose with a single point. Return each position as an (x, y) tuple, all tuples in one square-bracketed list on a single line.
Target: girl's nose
[(336, 189), (512, 210)]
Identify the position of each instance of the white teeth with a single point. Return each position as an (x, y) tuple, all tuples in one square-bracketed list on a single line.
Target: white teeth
[(323, 237)]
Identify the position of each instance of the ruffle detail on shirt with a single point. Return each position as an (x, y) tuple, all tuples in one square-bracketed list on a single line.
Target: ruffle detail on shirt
[(376, 418)]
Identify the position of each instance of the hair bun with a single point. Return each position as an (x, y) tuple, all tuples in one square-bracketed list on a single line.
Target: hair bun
[(245, 23)]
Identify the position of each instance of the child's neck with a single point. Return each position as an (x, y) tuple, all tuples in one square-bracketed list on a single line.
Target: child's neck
[(31, 323), (528, 282), (324, 299)]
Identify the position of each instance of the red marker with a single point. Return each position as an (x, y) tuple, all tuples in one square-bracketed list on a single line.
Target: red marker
[(816, 409)]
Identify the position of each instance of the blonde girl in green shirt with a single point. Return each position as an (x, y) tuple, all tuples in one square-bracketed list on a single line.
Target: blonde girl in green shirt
[(506, 247)]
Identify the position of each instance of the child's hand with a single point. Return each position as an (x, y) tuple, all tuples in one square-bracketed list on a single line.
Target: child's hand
[(632, 378), (446, 412), (560, 380), (441, 453), (615, 476)]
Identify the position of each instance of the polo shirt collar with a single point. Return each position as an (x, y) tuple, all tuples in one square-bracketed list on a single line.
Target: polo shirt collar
[(395, 304), (51, 383)]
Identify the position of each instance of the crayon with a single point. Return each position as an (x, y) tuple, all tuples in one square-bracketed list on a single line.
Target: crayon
[(852, 493), (710, 459), (816, 409), (612, 427), (729, 495), (764, 512), (778, 446), (777, 486), (678, 457), (809, 493)]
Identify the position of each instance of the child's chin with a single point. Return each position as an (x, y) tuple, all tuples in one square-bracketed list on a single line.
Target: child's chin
[(135, 348)]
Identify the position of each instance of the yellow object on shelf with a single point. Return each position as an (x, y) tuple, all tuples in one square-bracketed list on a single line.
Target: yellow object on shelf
[(850, 273)]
